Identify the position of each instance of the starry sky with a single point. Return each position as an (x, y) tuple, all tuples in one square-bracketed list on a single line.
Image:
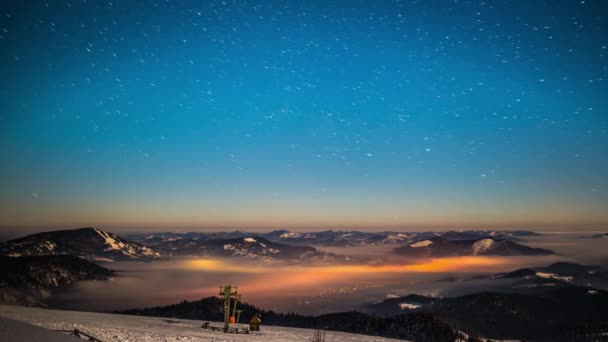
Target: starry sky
[(303, 114)]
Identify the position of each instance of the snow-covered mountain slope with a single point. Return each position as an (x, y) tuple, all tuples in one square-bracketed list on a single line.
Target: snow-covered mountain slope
[(441, 247), (12, 330), (89, 243), (109, 327), (253, 247), (357, 238), (330, 238)]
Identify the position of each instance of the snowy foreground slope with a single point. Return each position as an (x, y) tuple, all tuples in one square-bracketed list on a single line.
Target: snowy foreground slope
[(11, 330), (110, 327)]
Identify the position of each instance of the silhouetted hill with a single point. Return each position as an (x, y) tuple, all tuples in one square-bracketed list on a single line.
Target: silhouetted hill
[(543, 313), (27, 280), (562, 273)]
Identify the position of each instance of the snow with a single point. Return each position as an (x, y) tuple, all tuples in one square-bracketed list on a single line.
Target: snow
[(408, 306), (424, 243), (393, 238), (251, 240), (149, 252), (128, 249), (290, 235), (554, 276), (15, 331), (114, 328), (110, 241), (101, 259), (534, 285), (482, 246), (50, 246)]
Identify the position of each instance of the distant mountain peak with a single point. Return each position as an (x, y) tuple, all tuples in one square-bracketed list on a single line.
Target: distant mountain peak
[(89, 243), (482, 245)]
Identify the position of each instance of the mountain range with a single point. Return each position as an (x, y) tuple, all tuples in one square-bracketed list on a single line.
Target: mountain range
[(100, 246), (255, 247), (441, 247), (331, 238), (570, 298)]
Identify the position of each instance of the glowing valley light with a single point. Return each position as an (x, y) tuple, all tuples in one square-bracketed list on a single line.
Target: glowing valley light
[(451, 264)]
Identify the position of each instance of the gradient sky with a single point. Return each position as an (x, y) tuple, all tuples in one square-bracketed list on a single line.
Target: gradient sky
[(303, 114)]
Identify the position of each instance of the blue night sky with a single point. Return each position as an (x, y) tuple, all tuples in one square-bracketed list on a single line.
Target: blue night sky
[(303, 114)]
